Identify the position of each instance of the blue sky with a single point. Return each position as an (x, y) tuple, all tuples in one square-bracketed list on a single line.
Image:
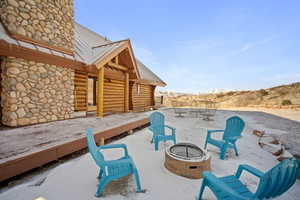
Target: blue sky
[(200, 46)]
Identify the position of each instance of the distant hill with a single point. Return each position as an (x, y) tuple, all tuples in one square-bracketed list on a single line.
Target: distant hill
[(275, 97)]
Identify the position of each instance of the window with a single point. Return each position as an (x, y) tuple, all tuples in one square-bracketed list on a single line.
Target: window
[(138, 89), (92, 84)]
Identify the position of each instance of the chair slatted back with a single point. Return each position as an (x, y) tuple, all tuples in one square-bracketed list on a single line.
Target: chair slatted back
[(278, 179), (97, 155), (157, 121), (234, 127)]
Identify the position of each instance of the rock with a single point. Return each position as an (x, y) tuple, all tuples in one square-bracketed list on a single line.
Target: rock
[(13, 107), (26, 100), (30, 2), (12, 115), (13, 94), (42, 120), (24, 23), (30, 105), (13, 70), (33, 68), (24, 15), (53, 117), (23, 121), (21, 31), (21, 112), (20, 87), (11, 19), (41, 17), (13, 3), (22, 3), (42, 70)]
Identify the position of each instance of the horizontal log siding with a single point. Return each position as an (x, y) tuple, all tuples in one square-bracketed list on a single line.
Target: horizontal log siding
[(114, 96), (80, 82), (142, 100)]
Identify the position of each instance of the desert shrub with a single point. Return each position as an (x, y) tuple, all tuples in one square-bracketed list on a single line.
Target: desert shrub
[(286, 102), (230, 93), (263, 92), (220, 95)]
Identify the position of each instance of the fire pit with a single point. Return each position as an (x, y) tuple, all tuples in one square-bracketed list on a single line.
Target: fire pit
[(188, 160)]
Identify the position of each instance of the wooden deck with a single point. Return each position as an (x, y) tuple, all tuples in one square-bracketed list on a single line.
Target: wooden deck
[(48, 142)]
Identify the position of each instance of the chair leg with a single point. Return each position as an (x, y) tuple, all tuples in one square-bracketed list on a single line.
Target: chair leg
[(223, 151), (201, 190), (156, 144), (206, 141), (100, 174), (101, 187), (137, 180), (174, 140), (235, 149)]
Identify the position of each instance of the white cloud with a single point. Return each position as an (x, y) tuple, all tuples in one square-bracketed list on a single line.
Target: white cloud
[(251, 45)]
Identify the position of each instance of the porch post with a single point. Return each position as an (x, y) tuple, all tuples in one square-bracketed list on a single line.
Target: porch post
[(100, 87), (126, 108)]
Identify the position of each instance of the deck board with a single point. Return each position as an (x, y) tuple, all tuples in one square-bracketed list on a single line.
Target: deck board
[(57, 139)]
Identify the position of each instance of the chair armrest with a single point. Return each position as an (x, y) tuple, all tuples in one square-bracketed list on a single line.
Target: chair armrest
[(117, 162), (170, 127), (209, 132), (214, 131), (249, 169), (218, 185), (114, 146)]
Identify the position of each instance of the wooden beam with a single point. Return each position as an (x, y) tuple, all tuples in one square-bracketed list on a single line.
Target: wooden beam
[(119, 41), (117, 59), (106, 58), (146, 82), (100, 92), (117, 66), (13, 50), (126, 108)]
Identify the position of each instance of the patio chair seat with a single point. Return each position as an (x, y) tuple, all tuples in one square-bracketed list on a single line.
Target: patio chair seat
[(234, 183)]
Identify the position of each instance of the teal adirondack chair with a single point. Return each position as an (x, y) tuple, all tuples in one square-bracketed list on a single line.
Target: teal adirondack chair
[(157, 127), (232, 132), (111, 169), (272, 183)]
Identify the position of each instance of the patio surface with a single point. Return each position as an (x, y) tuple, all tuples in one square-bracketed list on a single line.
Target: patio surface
[(76, 179), (21, 141)]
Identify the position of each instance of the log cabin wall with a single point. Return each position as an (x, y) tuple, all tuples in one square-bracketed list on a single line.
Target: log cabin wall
[(81, 83), (142, 98), (114, 90), (114, 96), (0, 91)]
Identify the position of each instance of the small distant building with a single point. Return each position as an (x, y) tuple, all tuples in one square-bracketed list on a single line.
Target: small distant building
[(53, 68)]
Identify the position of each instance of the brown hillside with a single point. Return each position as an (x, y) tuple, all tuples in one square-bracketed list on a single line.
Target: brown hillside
[(281, 96)]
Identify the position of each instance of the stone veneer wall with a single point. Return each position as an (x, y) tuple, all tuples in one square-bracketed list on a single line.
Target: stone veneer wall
[(35, 92), (50, 21)]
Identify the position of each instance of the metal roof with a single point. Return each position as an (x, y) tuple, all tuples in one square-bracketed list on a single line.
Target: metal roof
[(90, 47)]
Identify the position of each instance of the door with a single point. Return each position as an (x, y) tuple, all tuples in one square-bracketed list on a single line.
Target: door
[(92, 93)]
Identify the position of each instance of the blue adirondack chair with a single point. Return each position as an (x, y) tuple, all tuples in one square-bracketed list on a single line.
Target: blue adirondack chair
[(111, 169), (232, 132), (157, 127), (272, 183)]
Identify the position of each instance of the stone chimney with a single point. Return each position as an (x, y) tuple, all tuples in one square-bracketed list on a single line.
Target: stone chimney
[(48, 21)]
